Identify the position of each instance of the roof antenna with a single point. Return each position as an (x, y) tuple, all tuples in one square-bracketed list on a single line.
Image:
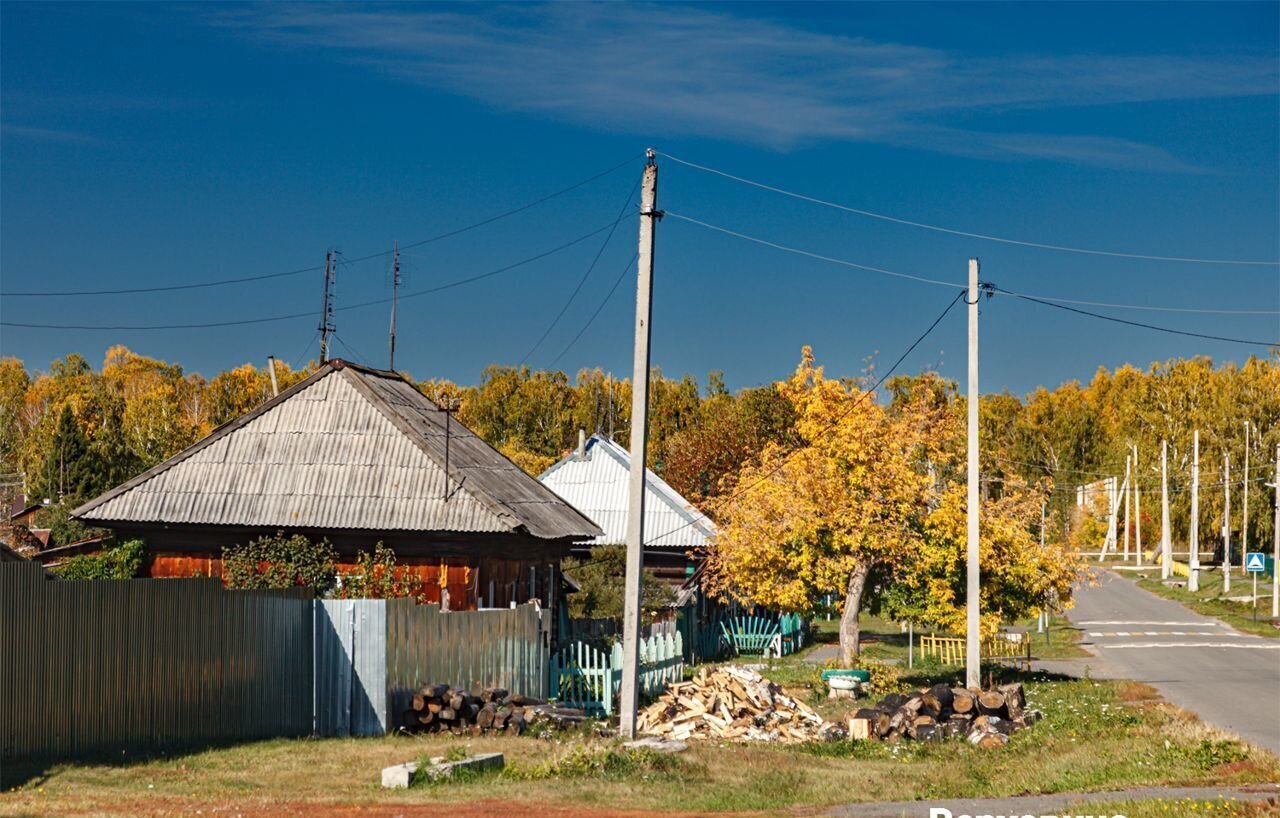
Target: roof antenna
[(395, 292), (326, 314)]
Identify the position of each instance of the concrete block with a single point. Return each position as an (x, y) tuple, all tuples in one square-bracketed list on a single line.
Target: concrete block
[(401, 775)]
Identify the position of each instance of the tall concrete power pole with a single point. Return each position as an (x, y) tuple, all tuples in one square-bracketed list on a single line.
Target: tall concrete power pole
[(1226, 522), (395, 296), (326, 312), (1275, 546), (649, 215), (973, 646), (1193, 561), (1128, 462), (1137, 506), (1244, 517), (1166, 540)]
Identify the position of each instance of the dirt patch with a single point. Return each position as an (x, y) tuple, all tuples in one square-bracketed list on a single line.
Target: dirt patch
[(172, 807), (1136, 692)]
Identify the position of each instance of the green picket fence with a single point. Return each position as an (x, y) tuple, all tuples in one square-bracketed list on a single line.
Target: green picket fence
[(764, 634), (588, 678)]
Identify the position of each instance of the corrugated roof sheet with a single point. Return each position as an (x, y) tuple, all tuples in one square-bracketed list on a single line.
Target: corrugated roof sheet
[(597, 484), (348, 448)]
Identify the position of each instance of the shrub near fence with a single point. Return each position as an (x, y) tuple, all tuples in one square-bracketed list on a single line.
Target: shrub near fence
[(91, 667)]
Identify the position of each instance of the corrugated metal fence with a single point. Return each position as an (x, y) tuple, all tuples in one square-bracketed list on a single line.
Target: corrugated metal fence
[(125, 667), (505, 647), (351, 667), (128, 666)]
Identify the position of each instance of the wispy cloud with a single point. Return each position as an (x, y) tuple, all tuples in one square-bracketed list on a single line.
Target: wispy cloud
[(691, 71), (46, 134)]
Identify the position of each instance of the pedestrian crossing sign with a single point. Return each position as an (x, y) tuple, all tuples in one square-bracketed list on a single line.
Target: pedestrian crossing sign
[(1253, 562)]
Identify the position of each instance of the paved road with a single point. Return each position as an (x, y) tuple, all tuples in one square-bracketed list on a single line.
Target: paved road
[(1054, 804), (1228, 678)]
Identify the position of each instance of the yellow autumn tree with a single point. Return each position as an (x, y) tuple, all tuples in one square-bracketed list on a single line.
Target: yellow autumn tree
[(817, 518), (878, 494)]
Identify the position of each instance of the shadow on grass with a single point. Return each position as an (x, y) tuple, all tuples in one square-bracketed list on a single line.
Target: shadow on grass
[(20, 772)]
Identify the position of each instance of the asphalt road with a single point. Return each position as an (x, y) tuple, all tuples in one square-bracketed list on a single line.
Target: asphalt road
[(1228, 678)]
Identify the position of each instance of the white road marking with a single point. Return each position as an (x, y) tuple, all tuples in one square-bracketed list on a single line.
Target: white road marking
[(1131, 622), (1159, 633), (1253, 646)]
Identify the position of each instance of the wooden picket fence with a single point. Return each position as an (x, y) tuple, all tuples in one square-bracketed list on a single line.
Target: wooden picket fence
[(586, 677), (1013, 649), (764, 635)]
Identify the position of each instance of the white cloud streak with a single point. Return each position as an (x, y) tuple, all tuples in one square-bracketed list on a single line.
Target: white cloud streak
[(687, 71)]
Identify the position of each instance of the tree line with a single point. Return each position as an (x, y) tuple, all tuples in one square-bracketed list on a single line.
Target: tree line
[(73, 431)]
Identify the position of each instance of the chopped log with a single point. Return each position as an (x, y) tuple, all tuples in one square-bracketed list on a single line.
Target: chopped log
[(447, 714), (409, 719), (892, 702), (525, 701), (929, 705), (930, 732), (944, 696), (962, 701), (456, 701), (500, 718), (494, 694), (484, 717), (419, 702), (989, 741), (515, 725), (1014, 694), (859, 728), (434, 707), (434, 691), (991, 702), (426, 717)]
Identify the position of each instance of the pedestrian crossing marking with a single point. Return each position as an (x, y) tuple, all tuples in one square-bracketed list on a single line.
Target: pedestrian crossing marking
[(1156, 633)]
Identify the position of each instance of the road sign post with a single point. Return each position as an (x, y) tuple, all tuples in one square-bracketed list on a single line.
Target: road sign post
[(1255, 564)]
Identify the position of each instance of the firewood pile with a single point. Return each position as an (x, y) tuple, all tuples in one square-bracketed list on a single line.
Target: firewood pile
[(734, 704), (985, 718), (444, 709)]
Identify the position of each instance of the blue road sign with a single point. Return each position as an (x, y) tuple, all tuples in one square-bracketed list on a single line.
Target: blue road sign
[(1254, 562)]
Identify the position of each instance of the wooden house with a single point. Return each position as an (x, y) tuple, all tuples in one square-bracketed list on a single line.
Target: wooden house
[(356, 456)]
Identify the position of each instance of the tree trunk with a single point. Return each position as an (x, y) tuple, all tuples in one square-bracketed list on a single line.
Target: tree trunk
[(849, 619)]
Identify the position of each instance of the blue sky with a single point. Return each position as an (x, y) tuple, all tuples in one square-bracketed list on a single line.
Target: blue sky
[(151, 145)]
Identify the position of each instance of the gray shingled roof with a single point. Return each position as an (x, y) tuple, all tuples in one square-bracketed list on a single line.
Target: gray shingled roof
[(348, 448)]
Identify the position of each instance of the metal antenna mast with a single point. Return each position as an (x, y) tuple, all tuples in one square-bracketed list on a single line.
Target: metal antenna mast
[(395, 292), (326, 313)]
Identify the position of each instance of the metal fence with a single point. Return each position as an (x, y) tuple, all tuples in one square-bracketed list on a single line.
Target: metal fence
[(124, 667), (504, 647), (351, 667)]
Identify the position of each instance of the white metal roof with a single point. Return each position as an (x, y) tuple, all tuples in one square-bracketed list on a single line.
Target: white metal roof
[(596, 483)]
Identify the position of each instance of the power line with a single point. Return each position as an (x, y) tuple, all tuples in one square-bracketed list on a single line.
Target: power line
[(450, 285), (924, 280), (625, 206), (1155, 327), (245, 279), (832, 425), (812, 255), (595, 314), (966, 234)]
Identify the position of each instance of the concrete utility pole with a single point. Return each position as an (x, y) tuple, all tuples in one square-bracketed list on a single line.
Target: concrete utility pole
[(1244, 518), (395, 293), (326, 312), (1128, 462), (1275, 546), (1137, 506), (1166, 541), (1193, 561), (271, 367), (973, 646), (1226, 522), (649, 216)]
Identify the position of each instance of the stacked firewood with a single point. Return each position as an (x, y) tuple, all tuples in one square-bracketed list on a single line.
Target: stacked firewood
[(984, 717), (732, 703), (444, 709)]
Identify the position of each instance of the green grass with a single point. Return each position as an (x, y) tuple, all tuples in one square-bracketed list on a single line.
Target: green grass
[(1210, 601), (1096, 736)]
